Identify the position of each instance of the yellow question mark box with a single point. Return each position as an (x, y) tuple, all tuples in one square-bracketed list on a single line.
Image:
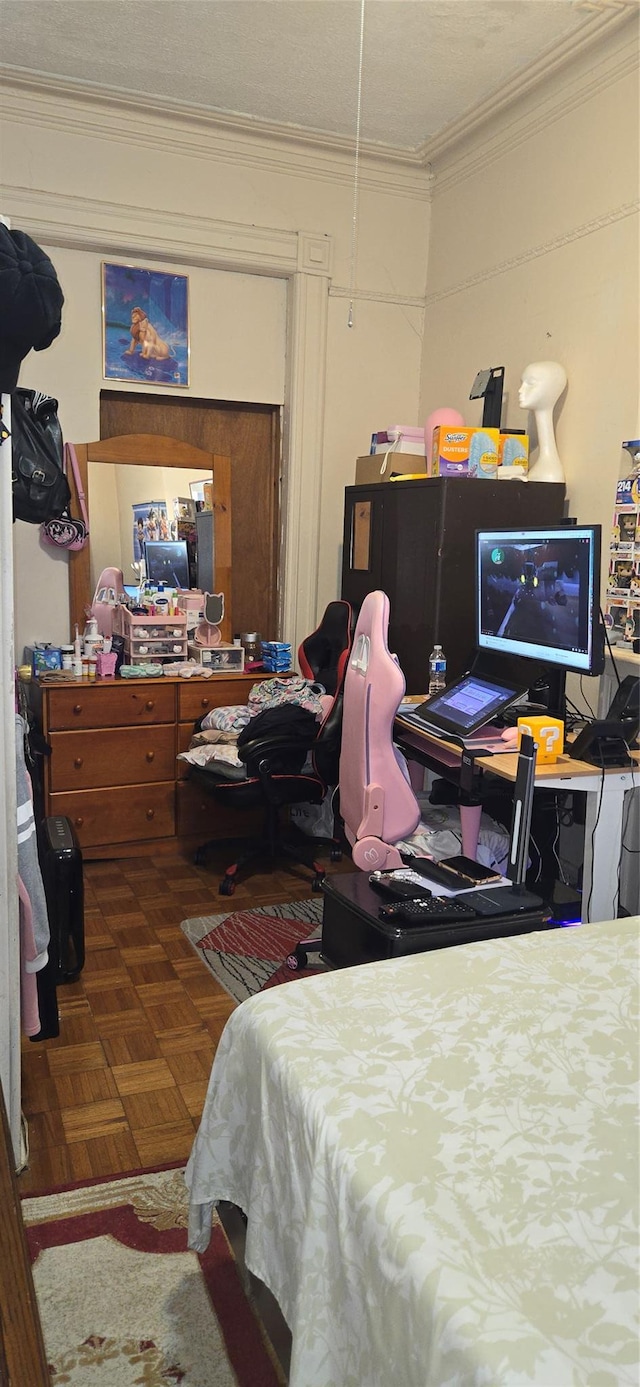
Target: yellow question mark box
[(548, 735)]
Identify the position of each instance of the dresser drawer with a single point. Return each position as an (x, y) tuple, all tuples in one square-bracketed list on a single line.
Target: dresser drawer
[(135, 814), (122, 756), (110, 705), (217, 692)]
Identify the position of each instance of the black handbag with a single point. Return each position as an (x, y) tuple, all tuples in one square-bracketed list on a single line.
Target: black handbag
[(40, 488)]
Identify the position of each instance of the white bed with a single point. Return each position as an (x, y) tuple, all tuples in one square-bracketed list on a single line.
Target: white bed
[(438, 1158)]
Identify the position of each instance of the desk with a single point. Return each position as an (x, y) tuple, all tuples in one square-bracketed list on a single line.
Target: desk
[(437, 1158), (605, 801)]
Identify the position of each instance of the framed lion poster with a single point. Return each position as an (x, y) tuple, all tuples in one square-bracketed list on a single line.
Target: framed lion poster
[(145, 326)]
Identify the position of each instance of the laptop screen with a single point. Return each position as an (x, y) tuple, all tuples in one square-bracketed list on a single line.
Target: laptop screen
[(467, 704)]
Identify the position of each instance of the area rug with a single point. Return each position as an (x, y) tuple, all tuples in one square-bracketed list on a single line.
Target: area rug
[(122, 1301), (246, 949)]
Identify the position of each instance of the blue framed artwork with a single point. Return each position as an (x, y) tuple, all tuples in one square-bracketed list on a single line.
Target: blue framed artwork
[(145, 325)]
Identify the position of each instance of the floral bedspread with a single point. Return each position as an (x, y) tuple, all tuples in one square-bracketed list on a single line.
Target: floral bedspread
[(438, 1157)]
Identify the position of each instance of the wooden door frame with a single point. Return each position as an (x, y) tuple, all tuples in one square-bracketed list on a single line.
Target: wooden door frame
[(271, 517)]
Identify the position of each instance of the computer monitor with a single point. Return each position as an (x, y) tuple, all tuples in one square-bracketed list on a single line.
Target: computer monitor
[(538, 595), (167, 562)]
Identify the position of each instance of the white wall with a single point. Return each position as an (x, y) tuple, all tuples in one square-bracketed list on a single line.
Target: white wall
[(181, 190), (232, 317), (534, 255)]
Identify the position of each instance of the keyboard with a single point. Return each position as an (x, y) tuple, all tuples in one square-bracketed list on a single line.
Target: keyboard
[(435, 909)]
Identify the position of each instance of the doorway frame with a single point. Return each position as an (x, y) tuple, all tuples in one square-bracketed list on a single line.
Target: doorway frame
[(304, 260)]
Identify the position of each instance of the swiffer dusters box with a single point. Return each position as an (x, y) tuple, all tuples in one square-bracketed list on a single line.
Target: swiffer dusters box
[(513, 448), (464, 452)]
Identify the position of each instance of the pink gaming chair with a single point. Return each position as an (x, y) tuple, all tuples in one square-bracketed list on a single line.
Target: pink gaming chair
[(377, 803)]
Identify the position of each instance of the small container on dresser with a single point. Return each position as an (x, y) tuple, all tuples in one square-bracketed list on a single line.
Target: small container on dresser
[(152, 638)]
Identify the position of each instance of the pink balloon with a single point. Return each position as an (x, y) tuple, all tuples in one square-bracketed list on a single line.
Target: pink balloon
[(451, 417)]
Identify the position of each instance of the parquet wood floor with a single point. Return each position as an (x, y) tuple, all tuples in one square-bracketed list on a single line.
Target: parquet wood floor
[(122, 1086)]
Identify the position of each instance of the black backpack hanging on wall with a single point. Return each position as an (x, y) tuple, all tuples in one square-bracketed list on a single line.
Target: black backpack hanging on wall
[(40, 488)]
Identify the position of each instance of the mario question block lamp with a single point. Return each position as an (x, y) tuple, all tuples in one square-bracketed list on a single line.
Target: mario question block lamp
[(548, 735)]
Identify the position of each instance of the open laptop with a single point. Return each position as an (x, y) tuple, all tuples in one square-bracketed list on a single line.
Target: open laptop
[(464, 706)]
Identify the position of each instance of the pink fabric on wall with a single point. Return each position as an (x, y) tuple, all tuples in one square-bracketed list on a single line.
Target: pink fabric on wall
[(28, 955)]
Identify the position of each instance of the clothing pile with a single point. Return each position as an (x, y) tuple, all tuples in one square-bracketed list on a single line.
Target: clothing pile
[(293, 706)]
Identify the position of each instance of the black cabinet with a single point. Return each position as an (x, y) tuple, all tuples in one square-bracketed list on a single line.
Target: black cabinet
[(415, 540)]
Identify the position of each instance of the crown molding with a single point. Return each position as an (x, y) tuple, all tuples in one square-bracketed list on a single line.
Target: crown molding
[(576, 233), (543, 110), (47, 102), (550, 63)]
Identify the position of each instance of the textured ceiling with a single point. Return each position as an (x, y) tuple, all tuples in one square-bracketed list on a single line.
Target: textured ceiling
[(295, 62)]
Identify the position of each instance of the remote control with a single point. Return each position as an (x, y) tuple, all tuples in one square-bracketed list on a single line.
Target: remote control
[(437, 908)]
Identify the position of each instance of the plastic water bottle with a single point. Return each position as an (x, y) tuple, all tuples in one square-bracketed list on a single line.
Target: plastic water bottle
[(437, 670)]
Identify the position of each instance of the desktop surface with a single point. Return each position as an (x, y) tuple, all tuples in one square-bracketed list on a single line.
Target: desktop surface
[(498, 759)]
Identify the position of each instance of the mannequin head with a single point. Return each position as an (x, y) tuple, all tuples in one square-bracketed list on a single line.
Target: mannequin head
[(542, 384)]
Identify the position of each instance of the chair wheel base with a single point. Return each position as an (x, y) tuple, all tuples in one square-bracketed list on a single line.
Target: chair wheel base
[(316, 884), (227, 886), (297, 960)]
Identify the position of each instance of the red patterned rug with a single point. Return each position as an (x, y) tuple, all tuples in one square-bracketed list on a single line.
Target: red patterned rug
[(246, 949), (122, 1301)]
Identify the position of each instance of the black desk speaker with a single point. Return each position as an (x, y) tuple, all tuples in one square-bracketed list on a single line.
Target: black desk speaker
[(625, 705), (604, 744)]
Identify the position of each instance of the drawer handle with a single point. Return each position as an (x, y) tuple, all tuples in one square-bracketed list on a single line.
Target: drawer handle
[(78, 822), (151, 756), (77, 708), (151, 813), (150, 705), (204, 702), (79, 761)]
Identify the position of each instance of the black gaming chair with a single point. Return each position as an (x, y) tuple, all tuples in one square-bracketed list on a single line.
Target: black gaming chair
[(322, 656), (275, 748)]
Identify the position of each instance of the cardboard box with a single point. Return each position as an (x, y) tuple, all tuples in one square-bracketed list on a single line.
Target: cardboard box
[(368, 469), (464, 452), (43, 657)]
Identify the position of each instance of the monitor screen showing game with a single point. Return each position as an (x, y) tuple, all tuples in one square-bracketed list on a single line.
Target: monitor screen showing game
[(538, 595), (167, 562)]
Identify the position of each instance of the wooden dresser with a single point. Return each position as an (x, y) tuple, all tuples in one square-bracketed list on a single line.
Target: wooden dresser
[(113, 770)]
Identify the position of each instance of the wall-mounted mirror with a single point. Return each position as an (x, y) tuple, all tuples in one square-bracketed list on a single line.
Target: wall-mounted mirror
[(130, 505), (131, 484)]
